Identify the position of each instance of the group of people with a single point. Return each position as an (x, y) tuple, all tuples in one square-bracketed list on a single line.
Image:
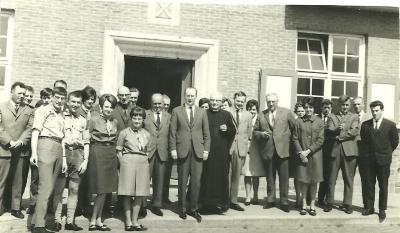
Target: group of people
[(118, 147)]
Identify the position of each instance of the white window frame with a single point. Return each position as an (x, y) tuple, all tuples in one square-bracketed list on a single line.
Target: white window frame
[(311, 83), (6, 61), (309, 55), (329, 76)]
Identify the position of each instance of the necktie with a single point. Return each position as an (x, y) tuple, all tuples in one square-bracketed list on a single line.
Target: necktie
[(191, 116), (376, 125), (272, 119), (237, 116), (158, 119), (16, 108)]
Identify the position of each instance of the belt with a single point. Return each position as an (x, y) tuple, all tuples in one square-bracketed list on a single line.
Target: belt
[(51, 138), (73, 147), (136, 153), (102, 143)]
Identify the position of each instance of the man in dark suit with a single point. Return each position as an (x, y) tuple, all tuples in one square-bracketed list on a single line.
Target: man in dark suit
[(189, 142), (123, 108), (274, 128), (344, 127), (240, 145), (358, 107), (379, 138), (326, 151), (157, 124), (15, 132)]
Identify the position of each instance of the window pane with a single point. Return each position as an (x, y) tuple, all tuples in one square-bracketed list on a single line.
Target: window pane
[(317, 63), (352, 65), (352, 89), (338, 63), (2, 75), (302, 62), (353, 47), (3, 25), (337, 88), (335, 105), (303, 86), (3, 47), (339, 45), (318, 87), (315, 46), (302, 46)]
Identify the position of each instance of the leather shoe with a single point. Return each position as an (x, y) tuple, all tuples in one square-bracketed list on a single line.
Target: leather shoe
[(40, 230), (157, 211), (142, 212), (367, 212), (382, 214), (269, 205), (182, 214), (196, 215), (72, 227), (328, 208), (17, 214), (235, 206), (285, 208), (55, 226)]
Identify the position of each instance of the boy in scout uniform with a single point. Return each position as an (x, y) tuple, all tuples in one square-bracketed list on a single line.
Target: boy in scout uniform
[(76, 143), (47, 152)]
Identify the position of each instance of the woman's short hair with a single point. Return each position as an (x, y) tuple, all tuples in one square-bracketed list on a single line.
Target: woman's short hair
[(308, 100), (226, 99), (88, 92), (251, 103), (297, 106), (138, 111), (108, 97), (204, 101), (45, 93)]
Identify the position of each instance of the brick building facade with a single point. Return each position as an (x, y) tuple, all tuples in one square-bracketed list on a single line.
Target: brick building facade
[(296, 51)]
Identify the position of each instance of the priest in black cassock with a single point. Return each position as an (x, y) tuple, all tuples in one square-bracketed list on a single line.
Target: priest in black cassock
[(214, 191)]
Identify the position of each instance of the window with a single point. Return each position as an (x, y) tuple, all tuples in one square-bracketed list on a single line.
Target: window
[(310, 55), (5, 45), (329, 65)]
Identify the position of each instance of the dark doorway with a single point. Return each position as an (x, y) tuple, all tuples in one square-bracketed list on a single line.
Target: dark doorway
[(152, 75)]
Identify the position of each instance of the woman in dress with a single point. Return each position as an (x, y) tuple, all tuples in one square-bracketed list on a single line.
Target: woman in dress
[(308, 138), (253, 167), (299, 112), (103, 162), (134, 173)]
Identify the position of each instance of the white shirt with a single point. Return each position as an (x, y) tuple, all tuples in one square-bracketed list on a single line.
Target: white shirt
[(379, 123), (155, 115), (272, 117), (188, 111)]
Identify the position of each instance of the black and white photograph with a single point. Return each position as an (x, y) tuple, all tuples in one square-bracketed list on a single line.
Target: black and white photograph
[(181, 116)]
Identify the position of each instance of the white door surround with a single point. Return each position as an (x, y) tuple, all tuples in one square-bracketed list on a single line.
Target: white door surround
[(119, 43)]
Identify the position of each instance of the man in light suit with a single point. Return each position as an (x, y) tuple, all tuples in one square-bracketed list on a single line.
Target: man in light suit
[(240, 146), (358, 107), (274, 127), (157, 124), (379, 138), (344, 127), (15, 132), (189, 142)]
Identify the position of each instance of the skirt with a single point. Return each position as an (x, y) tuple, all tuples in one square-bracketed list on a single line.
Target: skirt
[(134, 175), (102, 169), (254, 163)]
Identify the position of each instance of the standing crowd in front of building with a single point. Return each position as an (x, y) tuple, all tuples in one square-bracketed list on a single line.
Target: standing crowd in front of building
[(115, 146)]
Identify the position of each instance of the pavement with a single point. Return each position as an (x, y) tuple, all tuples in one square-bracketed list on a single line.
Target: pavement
[(253, 219)]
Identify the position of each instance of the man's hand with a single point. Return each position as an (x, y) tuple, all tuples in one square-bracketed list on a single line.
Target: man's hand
[(266, 134), (83, 167), (205, 155), (33, 160), (174, 155), (341, 126), (15, 144), (223, 127), (64, 165)]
